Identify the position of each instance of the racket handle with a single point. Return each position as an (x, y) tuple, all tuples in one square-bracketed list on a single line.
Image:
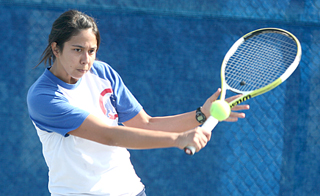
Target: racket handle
[(190, 150), (209, 125)]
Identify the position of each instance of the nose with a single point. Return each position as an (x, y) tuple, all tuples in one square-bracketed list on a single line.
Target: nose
[(84, 58)]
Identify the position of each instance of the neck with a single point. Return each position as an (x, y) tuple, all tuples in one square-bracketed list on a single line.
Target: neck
[(62, 76)]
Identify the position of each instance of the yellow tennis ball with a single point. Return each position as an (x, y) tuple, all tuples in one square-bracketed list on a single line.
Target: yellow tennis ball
[(220, 110)]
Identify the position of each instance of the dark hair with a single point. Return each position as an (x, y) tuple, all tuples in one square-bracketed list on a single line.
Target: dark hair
[(69, 24)]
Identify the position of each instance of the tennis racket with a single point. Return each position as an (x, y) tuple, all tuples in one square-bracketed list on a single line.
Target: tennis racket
[(255, 64)]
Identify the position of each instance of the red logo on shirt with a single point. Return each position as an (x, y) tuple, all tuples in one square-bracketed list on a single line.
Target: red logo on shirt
[(105, 104)]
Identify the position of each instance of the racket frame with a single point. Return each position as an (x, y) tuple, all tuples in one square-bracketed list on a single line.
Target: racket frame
[(250, 94), (211, 122)]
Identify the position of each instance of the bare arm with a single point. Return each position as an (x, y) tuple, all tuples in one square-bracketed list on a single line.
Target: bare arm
[(177, 123), (135, 138), (146, 132), (181, 122)]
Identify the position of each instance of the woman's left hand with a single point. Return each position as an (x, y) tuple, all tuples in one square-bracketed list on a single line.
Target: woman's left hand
[(234, 116)]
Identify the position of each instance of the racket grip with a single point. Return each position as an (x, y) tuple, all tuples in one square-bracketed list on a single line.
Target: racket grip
[(190, 150), (209, 125)]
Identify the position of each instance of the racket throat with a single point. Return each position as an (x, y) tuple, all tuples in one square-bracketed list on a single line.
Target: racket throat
[(240, 100)]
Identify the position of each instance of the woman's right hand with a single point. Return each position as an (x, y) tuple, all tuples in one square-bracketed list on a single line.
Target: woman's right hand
[(197, 137)]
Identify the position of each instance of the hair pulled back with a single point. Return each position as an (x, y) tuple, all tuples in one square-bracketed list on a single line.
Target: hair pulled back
[(69, 24)]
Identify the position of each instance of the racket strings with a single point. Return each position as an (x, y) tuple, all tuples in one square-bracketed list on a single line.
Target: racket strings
[(259, 61)]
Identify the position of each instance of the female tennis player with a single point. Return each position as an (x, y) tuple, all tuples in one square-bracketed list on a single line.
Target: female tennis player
[(76, 105)]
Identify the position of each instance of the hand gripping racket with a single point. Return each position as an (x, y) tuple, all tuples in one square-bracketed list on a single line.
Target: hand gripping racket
[(255, 64)]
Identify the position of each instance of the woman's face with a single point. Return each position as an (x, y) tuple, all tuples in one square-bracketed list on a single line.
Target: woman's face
[(76, 58)]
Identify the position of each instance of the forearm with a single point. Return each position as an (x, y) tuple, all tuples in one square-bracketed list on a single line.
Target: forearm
[(129, 137), (176, 123), (136, 138)]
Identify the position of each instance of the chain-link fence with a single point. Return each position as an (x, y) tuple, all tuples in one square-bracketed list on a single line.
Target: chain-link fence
[(169, 55)]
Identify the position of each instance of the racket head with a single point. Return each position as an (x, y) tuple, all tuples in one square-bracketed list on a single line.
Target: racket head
[(258, 62)]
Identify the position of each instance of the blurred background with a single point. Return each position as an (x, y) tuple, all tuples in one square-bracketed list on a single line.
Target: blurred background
[(169, 55)]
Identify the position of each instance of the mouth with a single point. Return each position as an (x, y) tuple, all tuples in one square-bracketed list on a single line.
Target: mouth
[(82, 70)]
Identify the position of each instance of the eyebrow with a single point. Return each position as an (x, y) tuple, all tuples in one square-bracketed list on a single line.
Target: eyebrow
[(78, 46)]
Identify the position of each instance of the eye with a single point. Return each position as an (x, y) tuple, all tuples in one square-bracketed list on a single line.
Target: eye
[(78, 49), (92, 51)]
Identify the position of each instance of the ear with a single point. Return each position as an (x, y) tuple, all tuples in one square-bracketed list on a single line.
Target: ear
[(55, 49)]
